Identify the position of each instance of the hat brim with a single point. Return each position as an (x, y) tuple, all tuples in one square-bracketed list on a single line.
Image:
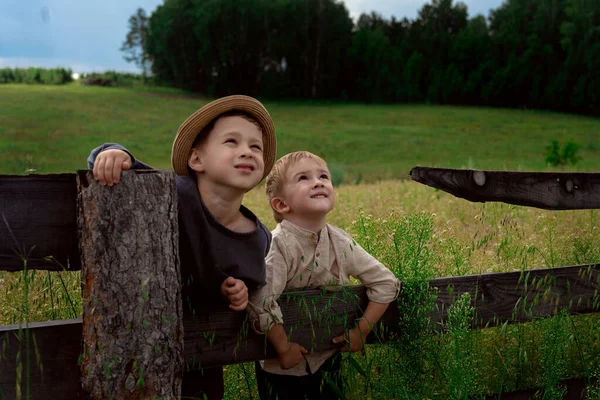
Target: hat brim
[(193, 125)]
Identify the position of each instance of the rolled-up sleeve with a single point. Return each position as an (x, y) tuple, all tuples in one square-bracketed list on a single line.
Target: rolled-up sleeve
[(263, 307), (382, 285), (136, 164)]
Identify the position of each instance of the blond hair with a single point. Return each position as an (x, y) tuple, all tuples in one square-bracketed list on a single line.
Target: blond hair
[(277, 177)]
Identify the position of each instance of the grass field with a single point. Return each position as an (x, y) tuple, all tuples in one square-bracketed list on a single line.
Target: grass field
[(52, 129)]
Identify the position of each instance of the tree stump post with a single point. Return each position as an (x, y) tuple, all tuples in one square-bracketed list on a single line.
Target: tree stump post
[(132, 313)]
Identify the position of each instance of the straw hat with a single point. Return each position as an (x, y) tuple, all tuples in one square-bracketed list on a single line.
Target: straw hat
[(193, 125)]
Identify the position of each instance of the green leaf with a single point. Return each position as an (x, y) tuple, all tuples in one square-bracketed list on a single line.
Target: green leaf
[(334, 387), (357, 366)]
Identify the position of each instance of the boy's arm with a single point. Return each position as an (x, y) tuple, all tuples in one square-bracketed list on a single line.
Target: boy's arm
[(381, 283), (263, 307), (135, 164), (382, 288), (109, 160), (355, 338), (289, 353), (266, 313)]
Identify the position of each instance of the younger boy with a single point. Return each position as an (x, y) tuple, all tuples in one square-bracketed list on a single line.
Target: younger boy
[(220, 152), (308, 252)]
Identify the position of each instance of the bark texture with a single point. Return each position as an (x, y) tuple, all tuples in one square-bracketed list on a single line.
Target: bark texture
[(132, 315)]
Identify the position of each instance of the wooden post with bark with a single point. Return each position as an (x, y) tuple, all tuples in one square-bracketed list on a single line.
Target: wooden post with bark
[(132, 313)]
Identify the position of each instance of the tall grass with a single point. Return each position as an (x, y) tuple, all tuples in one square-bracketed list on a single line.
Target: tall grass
[(426, 235), (39, 295), (462, 363)]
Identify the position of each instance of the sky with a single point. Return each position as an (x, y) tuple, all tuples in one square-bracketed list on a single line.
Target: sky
[(85, 35)]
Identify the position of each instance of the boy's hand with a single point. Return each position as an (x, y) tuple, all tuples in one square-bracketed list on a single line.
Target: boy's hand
[(292, 356), (236, 292), (353, 340), (109, 164), (288, 353)]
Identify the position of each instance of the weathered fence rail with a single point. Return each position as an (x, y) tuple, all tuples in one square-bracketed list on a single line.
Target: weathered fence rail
[(38, 221), (41, 209), (225, 337), (547, 190)]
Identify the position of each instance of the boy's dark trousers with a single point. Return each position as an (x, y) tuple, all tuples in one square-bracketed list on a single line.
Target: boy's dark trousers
[(205, 384), (311, 386)]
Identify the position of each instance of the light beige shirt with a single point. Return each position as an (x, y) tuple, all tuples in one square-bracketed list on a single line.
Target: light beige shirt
[(298, 259)]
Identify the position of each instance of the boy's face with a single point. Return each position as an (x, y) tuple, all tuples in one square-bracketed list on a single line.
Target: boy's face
[(231, 155), (308, 190)]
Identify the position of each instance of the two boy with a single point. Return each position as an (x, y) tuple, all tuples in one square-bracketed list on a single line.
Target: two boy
[(220, 152)]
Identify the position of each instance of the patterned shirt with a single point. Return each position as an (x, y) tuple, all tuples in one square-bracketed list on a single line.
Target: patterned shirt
[(298, 259)]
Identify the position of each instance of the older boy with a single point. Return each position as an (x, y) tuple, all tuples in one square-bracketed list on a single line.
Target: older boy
[(308, 252), (220, 152)]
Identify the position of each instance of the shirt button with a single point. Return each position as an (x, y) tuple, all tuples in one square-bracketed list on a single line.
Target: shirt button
[(318, 254)]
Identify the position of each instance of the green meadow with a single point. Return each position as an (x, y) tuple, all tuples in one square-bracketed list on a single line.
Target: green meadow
[(420, 233), (52, 129)]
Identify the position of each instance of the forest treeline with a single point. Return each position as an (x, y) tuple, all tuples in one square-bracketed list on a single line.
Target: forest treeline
[(541, 54), (527, 53), (36, 75)]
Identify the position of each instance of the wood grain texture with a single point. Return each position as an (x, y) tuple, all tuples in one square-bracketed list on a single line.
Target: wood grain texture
[(312, 318), (40, 209), (521, 296), (131, 287), (55, 374), (37, 221), (546, 190), (225, 337)]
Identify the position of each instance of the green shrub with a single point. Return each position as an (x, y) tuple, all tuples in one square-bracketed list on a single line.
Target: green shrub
[(114, 78), (338, 173), (34, 75), (557, 155)]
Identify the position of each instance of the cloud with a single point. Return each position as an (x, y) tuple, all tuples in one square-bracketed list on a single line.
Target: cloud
[(87, 35), (46, 15), (9, 23)]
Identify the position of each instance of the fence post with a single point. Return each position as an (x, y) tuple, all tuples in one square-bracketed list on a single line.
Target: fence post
[(132, 315)]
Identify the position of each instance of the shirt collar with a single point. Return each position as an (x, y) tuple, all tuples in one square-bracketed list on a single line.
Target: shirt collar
[(302, 233)]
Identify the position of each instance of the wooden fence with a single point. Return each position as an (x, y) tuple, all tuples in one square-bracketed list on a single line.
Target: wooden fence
[(45, 220)]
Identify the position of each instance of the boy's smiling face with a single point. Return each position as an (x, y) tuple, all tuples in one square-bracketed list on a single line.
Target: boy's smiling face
[(307, 191), (231, 155)]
